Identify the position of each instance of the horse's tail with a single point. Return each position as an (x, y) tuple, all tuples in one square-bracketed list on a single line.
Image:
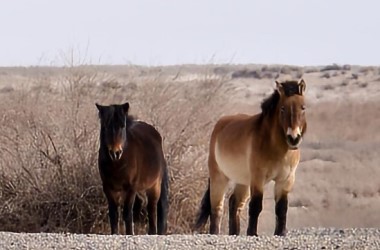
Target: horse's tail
[(163, 203), (205, 210)]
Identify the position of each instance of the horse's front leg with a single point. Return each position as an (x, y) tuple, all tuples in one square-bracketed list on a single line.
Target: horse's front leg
[(254, 210), (256, 203), (281, 190), (113, 208), (129, 200)]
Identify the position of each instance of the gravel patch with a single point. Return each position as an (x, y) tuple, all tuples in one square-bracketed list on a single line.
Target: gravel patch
[(307, 238)]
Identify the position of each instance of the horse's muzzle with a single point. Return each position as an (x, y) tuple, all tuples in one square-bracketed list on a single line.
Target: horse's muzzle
[(293, 142), (115, 155)]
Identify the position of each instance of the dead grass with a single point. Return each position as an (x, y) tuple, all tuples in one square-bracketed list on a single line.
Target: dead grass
[(49, 179)]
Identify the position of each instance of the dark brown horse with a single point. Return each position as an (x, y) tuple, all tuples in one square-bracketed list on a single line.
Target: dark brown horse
[(250, 151), (131, 160)]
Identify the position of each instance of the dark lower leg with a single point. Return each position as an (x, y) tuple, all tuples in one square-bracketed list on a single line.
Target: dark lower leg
[(218, 185), (152, 214), (281, 211), (128, 212), (215, 222), (234, 216), (113, 213), (255, 207)]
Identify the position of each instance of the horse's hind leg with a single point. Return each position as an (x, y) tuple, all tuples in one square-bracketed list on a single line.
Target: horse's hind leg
[(163, 204), (128, 211), (153, 195), (236, 204), (218, 186)]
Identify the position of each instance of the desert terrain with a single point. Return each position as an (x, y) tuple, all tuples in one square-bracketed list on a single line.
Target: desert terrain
[(49, 131)]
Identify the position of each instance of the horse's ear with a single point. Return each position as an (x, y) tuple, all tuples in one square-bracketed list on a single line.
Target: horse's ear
[(280, 88), (125, 107), (100, 109), (301, 86)]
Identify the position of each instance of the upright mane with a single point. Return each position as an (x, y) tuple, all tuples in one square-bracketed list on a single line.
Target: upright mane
[(115, 111), (269, 105)]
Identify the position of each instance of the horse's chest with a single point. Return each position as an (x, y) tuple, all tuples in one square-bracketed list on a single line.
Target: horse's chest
[(282, 169), (118, 174)]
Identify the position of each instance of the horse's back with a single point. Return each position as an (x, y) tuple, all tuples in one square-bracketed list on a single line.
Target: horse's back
[(147, 142), (145, 132)]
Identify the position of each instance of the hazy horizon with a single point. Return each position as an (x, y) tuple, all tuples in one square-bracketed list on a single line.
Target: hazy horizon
[(152, 33)]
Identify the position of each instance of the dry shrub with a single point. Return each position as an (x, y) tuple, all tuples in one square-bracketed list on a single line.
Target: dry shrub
[(49, 180), (332, 67), (326, 75), (309, 70), (244, 73)]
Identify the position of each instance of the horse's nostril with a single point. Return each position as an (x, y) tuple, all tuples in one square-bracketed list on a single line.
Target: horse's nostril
[(115, 155), (298, 138), (294, 141), (118, 154)]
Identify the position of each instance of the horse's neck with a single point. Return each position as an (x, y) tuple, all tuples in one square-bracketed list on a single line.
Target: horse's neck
[(273, 138)]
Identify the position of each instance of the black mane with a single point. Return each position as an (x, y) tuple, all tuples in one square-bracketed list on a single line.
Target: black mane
[(116, 113), (268, 106)]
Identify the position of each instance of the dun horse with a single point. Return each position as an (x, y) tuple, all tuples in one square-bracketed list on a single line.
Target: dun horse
[(250, 151), (131, 160)]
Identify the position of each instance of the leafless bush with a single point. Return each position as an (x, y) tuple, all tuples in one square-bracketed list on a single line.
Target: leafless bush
[(363, 84), (345, 82), (271, 69), (311, 70), (331, 67), (49, 180), (247, 74), (328, 87), (6, 89), (354, 76), (326, 75), (367, 70), (346, 67)]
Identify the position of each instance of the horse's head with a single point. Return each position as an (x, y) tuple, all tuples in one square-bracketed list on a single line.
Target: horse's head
[(292, 111), (113, 120)]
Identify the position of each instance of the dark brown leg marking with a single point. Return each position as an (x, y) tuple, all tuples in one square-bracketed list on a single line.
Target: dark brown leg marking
[(128, 212), (234, 217), (214, 222), (281, 211), (255, 207), (113, 213), (152, 212)]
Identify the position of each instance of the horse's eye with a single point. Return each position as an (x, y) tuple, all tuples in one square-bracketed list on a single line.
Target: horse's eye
[(282, 109), (303, 107)]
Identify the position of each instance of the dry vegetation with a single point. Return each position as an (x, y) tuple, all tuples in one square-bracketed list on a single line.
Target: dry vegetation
[(49, 176), (49, 180)]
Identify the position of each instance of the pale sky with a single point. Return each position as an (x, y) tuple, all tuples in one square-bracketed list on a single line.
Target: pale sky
[(164, 32)]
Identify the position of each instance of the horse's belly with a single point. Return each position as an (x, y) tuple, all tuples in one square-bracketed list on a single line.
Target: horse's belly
[(234, 167)]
